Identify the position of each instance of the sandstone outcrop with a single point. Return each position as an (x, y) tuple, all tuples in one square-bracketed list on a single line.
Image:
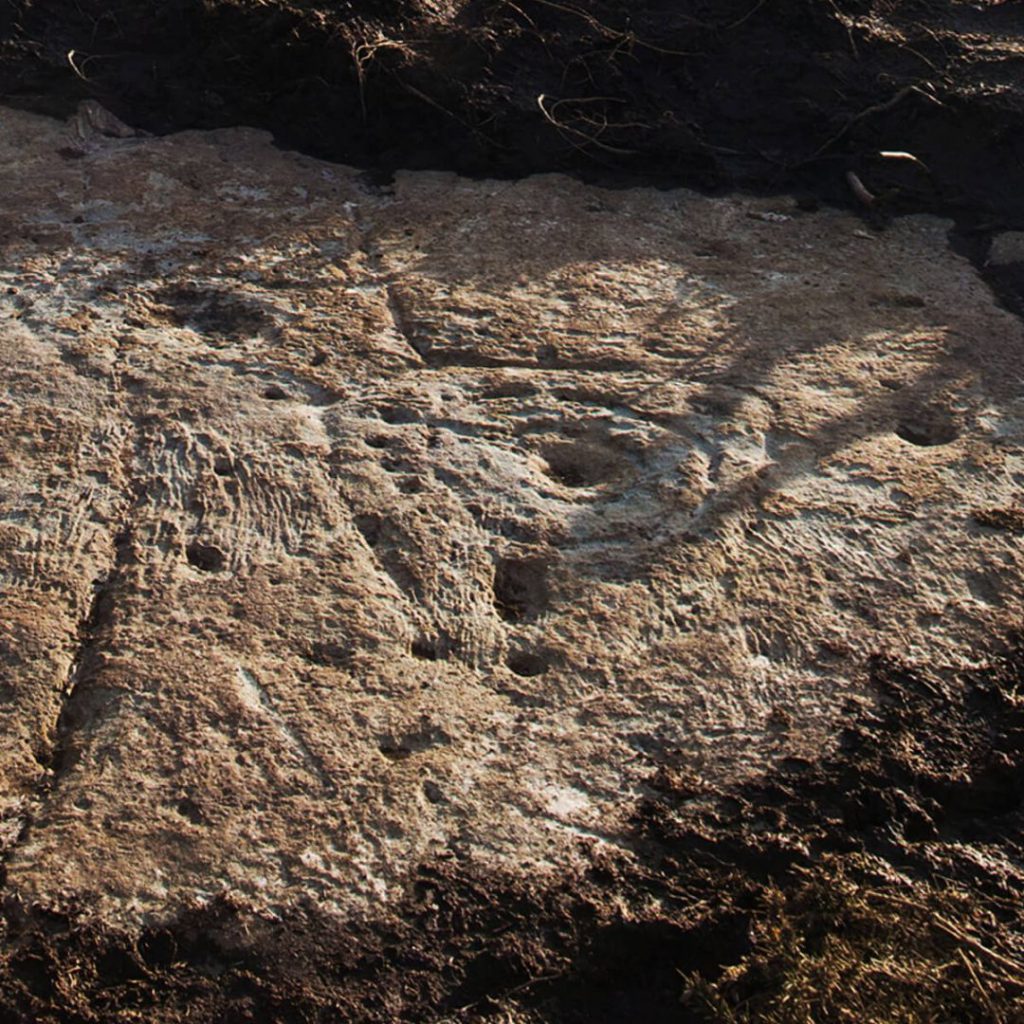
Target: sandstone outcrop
[(347, 525)]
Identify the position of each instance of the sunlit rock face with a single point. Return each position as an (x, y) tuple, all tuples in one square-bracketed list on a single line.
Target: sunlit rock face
[(347, 526)]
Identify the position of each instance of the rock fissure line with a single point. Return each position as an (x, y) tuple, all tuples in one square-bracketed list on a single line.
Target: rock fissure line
[(256, 696)]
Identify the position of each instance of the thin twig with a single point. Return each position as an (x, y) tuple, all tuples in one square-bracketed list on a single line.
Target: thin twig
[(877, 108), (74, 66), (564, 128), (890, 154), (858, 189), (623, 37), (746, 17)]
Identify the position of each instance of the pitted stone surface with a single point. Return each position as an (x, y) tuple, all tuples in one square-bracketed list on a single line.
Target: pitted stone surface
[(342, 528)]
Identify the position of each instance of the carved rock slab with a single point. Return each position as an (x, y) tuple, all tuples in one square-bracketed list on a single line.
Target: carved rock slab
[(346, 526)]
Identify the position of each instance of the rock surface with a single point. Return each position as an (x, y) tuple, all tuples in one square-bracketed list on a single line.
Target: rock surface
[(347, 526)]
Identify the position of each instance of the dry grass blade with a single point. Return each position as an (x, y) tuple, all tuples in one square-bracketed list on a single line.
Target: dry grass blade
[(836, 949)]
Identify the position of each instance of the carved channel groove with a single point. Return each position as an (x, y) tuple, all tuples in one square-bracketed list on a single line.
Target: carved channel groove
[(88, 655), (384, 279), (401, 322), (73, 713)]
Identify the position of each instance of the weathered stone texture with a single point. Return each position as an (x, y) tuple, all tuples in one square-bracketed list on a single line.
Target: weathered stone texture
[(345, 526)]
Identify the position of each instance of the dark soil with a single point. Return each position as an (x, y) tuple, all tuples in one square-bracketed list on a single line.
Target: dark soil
[(706, 93), (769, 903)]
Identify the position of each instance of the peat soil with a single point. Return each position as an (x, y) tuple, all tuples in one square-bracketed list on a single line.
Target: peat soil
[(922, 100), (711, 918)]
